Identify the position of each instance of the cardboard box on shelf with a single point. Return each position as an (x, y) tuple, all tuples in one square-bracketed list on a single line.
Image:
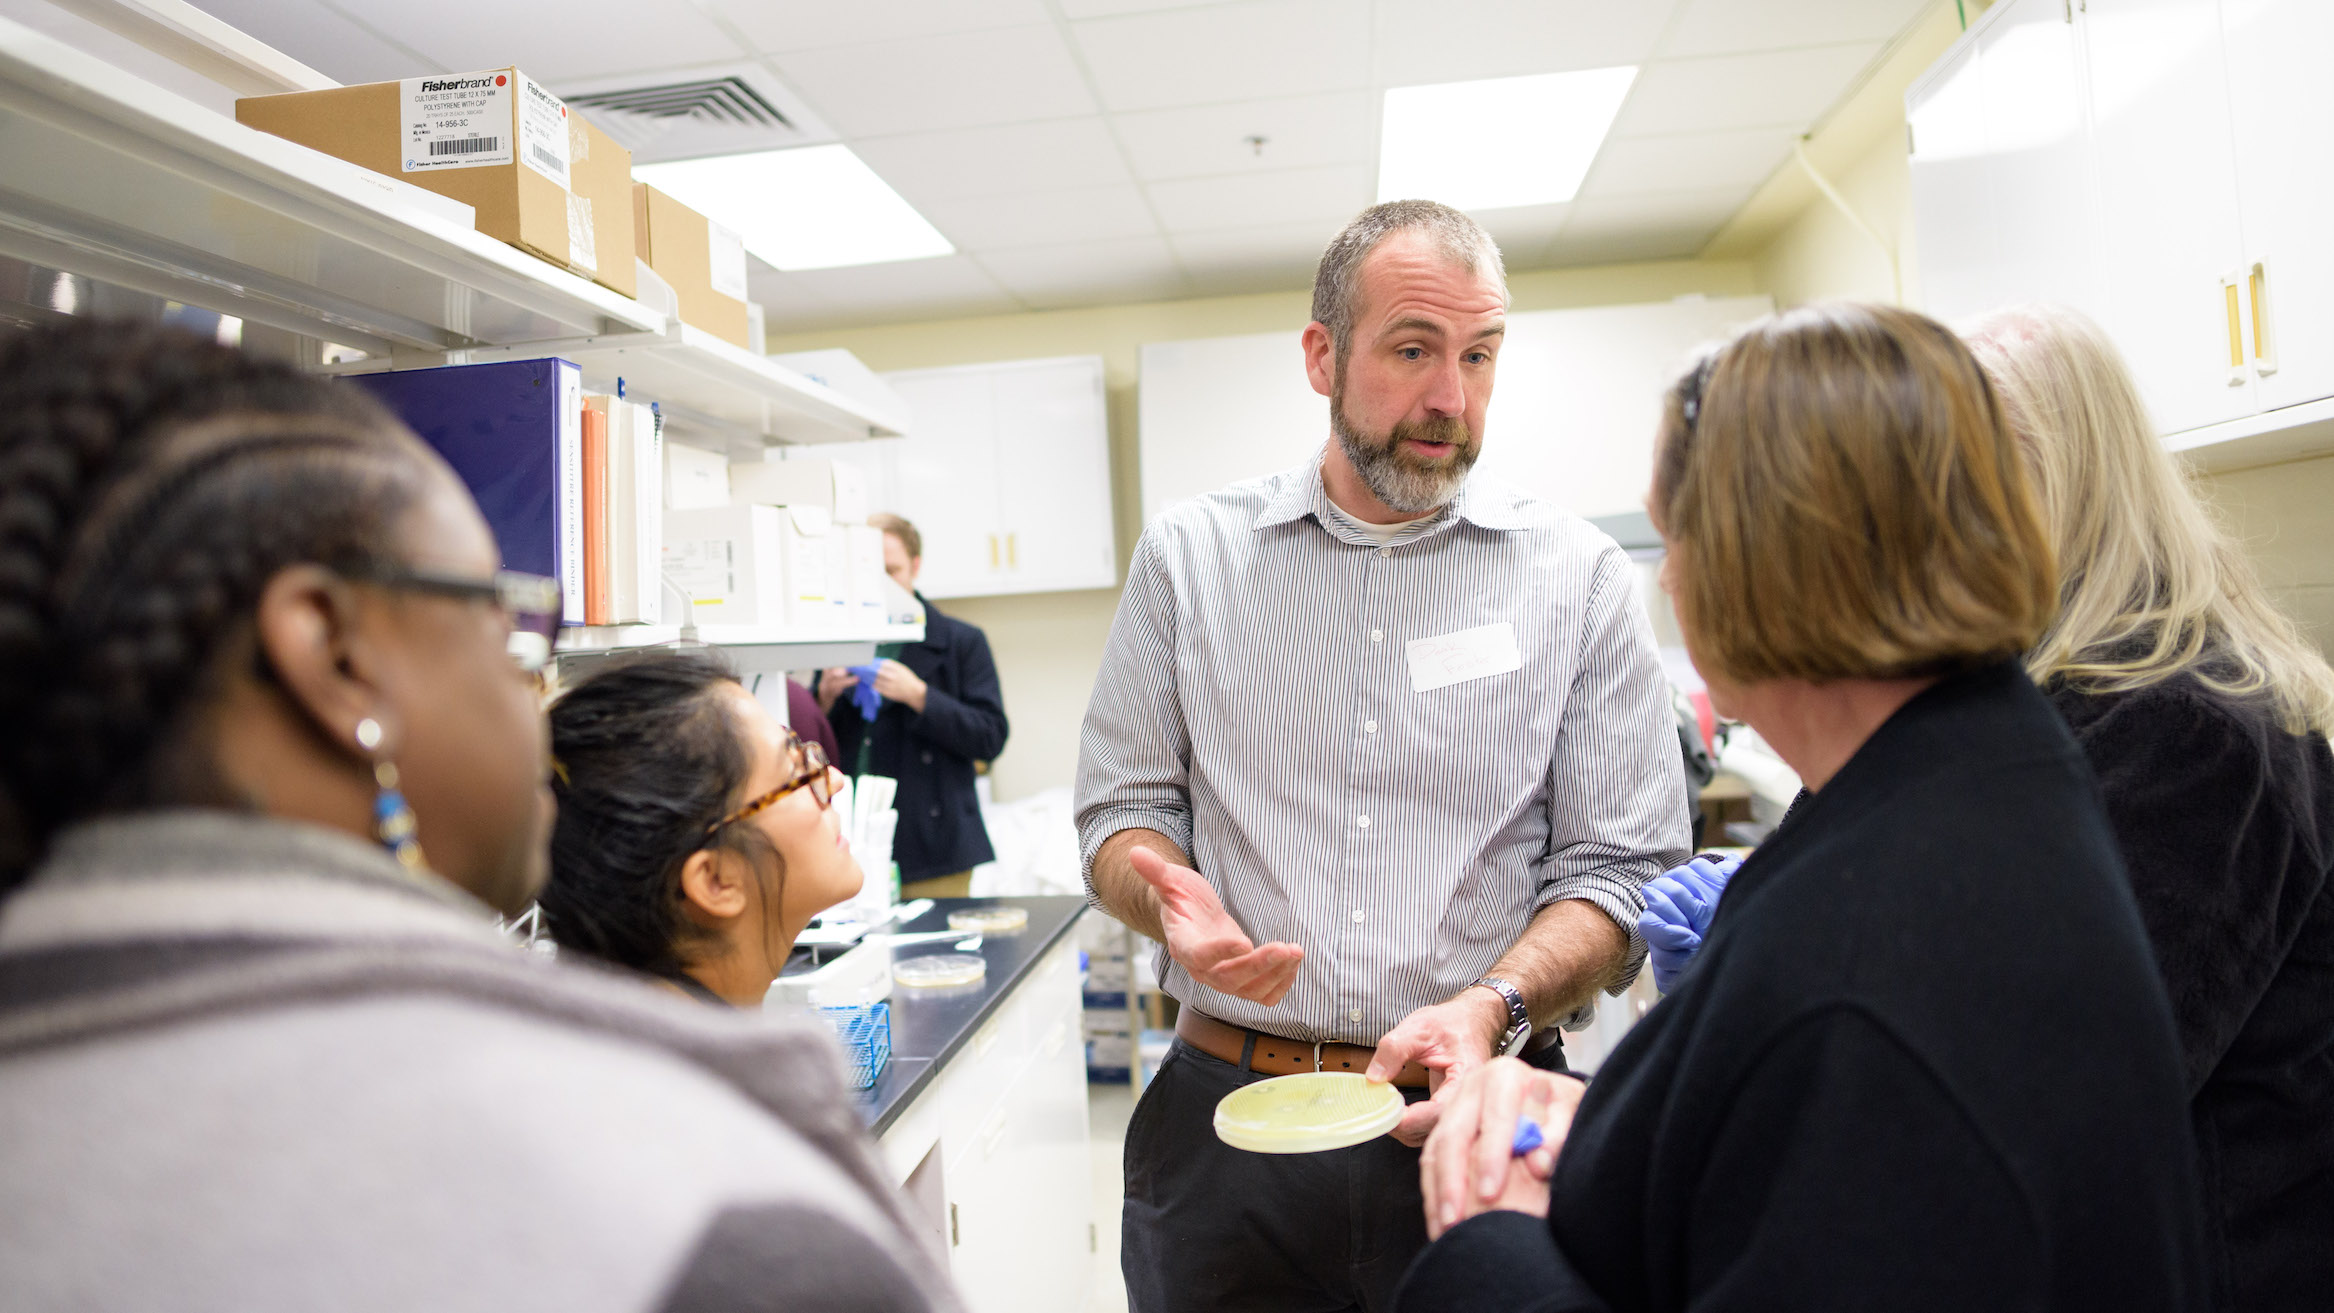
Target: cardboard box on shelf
[(600, 207), (837, 487), (704, 262), (866, 573), (494, 140), (753, 565)]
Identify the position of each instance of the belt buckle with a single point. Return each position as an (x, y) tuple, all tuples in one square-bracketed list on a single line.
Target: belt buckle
[(1317, 1055)]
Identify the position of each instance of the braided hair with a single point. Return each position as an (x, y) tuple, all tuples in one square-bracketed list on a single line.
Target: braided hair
[(648, 760), (152, 482)]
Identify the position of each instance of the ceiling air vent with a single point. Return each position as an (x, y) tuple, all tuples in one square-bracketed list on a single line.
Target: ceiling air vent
[(707, 111)]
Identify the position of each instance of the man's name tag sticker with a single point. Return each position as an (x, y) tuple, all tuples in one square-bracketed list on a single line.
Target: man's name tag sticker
[(1455, 658)]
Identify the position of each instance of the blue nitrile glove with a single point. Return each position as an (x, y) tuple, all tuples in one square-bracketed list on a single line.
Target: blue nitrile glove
[(1678, 906), (863, 694)]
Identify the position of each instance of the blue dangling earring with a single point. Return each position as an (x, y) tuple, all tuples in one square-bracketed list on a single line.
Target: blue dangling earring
[(393, 822)]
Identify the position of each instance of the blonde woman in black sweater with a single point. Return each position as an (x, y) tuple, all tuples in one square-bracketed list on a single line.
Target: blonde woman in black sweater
[(1923, 1059), (2205, 716)]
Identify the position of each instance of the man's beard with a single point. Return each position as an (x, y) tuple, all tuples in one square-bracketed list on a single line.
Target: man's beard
[(1408, 484)]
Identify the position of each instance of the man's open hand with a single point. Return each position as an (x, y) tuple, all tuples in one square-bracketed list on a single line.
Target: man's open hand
[(1449, 1040), (1204, 939)]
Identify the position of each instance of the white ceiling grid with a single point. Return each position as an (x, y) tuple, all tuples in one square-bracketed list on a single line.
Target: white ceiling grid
[(1083, 152)]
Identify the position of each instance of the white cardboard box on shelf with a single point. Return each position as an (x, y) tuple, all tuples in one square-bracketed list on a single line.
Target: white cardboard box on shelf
[(835, 486), (865, 573), (695, 478), (754, 565)]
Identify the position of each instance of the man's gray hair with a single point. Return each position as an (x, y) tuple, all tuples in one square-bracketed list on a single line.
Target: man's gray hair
[(1337, 283)]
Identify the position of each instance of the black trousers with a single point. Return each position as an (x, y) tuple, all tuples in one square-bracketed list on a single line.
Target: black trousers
[(1214, 1229)]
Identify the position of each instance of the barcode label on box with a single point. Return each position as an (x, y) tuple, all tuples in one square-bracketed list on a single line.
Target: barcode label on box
[(456, 121), (543, 132)]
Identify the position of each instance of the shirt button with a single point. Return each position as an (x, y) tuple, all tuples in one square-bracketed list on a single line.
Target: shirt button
[(1354, 1015), (1385, 551), (927, 758), (935, 813), (1377, 635), (1358, 914), (1369, 727), (1363, 822)]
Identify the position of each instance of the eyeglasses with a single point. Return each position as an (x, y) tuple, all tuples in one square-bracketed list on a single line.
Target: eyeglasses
[(530, 602), (813, 776)]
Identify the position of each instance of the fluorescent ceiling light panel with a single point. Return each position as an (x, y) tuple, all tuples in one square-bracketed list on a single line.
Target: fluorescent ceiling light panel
[(812, 207), (1500, 142)]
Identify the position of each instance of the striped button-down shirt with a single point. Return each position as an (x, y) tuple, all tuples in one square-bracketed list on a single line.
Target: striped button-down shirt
[(1257, 704)]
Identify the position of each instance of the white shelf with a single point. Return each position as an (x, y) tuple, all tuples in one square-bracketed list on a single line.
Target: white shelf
[(722, 395), (749, 648), (2269, 438), (105, 175)]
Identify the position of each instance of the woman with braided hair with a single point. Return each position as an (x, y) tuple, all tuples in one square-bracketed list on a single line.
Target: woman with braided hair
[(269, 768)]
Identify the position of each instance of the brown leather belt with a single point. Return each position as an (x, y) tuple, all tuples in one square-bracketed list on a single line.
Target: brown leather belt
[(1274, 1056)]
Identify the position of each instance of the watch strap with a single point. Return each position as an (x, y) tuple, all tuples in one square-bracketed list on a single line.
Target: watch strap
[(1519, 1017)]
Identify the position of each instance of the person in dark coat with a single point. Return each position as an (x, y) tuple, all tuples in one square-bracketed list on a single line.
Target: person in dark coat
[(943, 710), (2205, 716), (1924, 1059)]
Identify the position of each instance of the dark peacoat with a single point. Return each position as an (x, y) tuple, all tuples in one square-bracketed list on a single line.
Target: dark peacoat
[(932, 753)]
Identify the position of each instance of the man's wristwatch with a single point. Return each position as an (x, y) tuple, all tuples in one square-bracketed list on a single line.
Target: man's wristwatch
[(1519, 1018)]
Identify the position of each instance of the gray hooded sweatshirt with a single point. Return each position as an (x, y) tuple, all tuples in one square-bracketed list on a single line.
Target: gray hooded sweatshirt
[(253, 1065)]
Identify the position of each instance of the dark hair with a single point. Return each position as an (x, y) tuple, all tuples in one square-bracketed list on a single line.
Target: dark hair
[(152, 482), (646, 761)]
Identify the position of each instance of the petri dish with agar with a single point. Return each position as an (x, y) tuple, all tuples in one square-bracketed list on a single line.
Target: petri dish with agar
[(990, 920), (940, 970), (1307, 1113)]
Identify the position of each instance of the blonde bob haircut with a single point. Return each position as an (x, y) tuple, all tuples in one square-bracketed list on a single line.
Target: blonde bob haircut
[(1842, 499), (2153, 587)]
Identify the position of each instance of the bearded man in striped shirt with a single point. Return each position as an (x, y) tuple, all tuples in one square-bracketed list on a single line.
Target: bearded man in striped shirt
[(1383, 755)]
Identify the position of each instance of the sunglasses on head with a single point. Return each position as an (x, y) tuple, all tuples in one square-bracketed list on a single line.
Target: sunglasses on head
[(813, 776)]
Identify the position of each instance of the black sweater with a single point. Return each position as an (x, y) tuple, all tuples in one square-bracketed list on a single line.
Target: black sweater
[(1923, 1061), (2226, 823)]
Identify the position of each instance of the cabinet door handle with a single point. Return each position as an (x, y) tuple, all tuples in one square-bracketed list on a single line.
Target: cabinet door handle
[(2232, 297), (993, 544), (1012, 552), (2264, 332)]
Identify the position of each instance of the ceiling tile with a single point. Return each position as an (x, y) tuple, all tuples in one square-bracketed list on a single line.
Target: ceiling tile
[(1462, 40), (1002, 75), (1056, 155), (588, 39), (1089, 273), (1670, 225), (1719, 27), (987, 223), (1278, 257), (1108, 8), (1695, 160), (1791, 88), (1299, 131), (782, 26), (1327, 196), (1250, 51), (939, 288), (323, 38), (1523, 232)]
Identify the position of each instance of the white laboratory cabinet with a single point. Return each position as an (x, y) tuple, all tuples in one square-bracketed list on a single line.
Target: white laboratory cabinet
[(994, 1152), (2165, 166), (1006, 473)]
